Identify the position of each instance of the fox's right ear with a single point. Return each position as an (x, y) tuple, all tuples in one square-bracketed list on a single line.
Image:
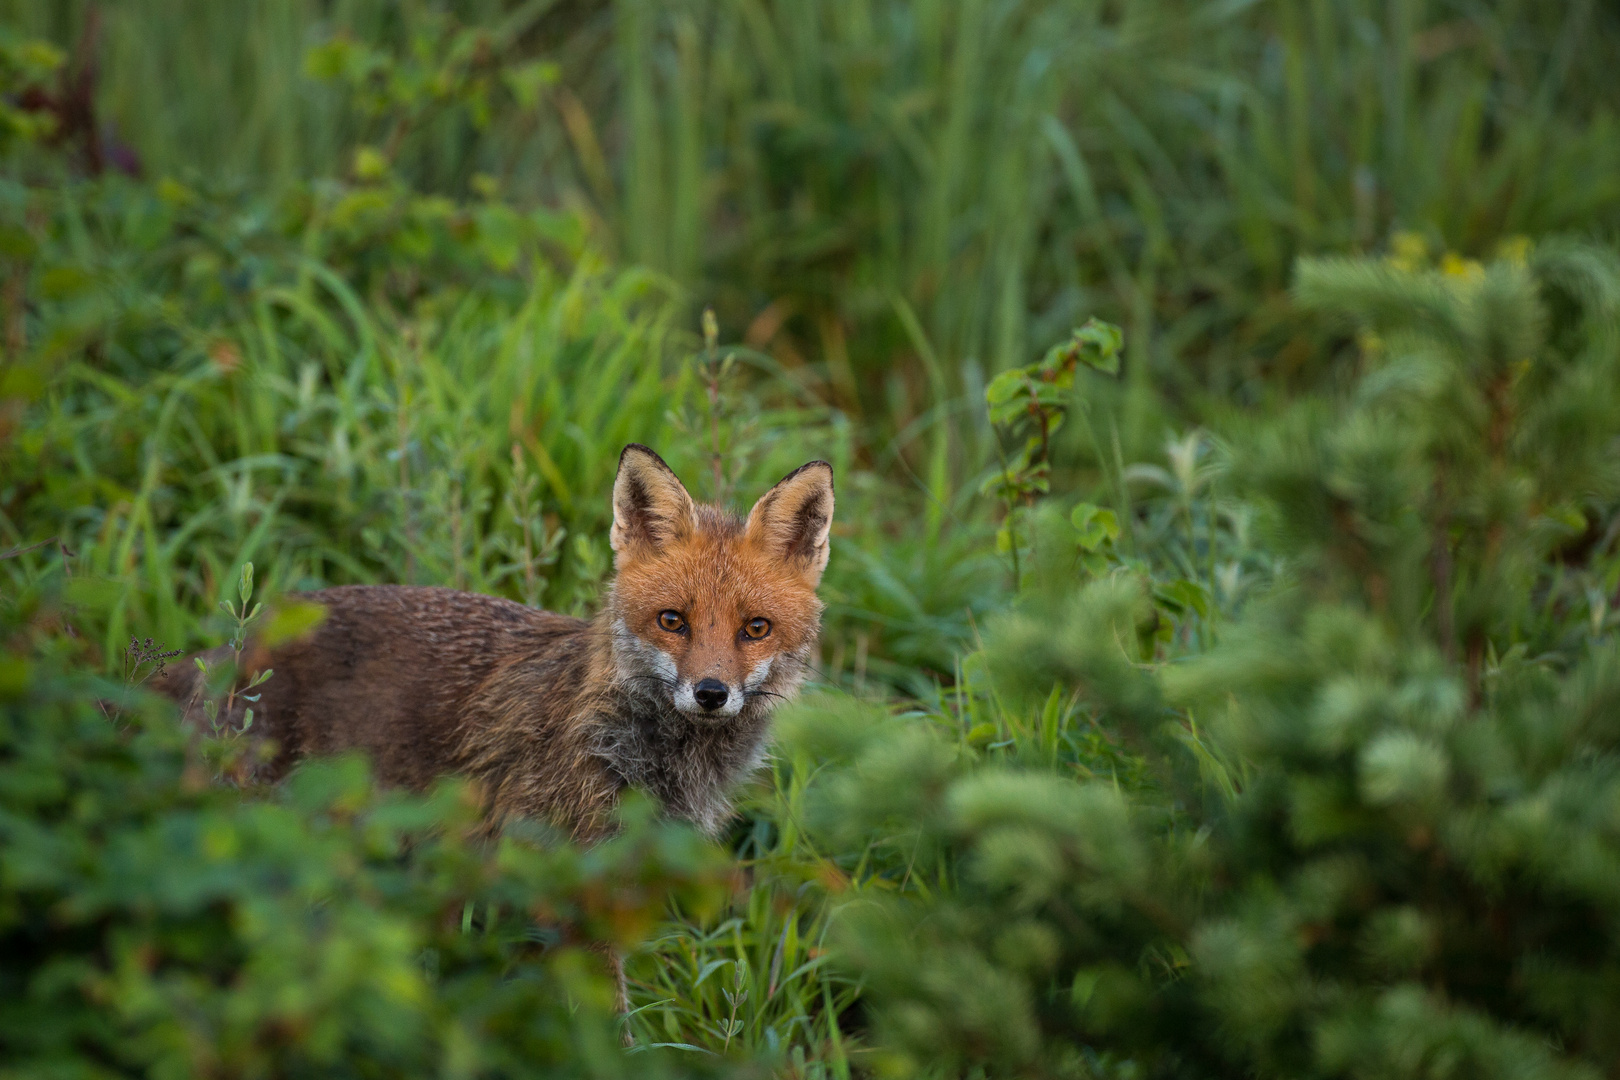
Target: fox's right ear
[(794, 519), (650, 507)]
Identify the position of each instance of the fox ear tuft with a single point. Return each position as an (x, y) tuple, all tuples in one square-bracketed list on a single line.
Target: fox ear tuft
[(650, 507), (793, 519)]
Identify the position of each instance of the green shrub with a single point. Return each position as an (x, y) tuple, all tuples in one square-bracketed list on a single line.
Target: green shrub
[(156, 925), (1410, 869), (355, 382)]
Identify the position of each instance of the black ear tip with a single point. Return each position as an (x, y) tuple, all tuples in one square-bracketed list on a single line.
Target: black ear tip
[(807, 466), (637, 449)]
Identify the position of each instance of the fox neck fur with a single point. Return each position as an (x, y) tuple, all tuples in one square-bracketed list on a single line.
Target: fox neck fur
[(619, 729)]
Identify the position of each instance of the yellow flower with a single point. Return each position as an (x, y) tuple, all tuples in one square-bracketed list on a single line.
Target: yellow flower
[(1464, 270), (370, 164), (1514, 249), (1408, 251)]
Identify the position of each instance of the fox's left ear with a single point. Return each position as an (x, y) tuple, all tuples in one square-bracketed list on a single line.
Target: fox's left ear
[(651, 509), (792, 520)]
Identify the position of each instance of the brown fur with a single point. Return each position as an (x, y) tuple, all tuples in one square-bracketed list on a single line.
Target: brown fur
[(556, 716)]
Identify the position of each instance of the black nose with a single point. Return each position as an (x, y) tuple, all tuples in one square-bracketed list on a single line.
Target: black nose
[(711, 694)]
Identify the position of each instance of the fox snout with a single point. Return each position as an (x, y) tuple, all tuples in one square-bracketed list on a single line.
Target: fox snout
[(719, 697), (709, 697), (711, 694)]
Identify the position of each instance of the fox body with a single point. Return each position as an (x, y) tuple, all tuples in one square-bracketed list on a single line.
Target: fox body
[(711, 620)]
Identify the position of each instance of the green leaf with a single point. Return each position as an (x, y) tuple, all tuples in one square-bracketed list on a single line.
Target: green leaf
[(25, 381), (1400, 766), (979, 734), (370, 164), (1183, 596), (1010, 411), (64, 282), (1004, 387), (1052, 394), (328, 62), (1568, 518), (527, 81), (16, 243), (1095, 525), (1101, 343), (500, 235), (293, 622), (39, 58), (14, 676), (95, 593)]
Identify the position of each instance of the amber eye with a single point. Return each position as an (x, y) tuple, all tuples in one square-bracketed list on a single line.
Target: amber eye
[(671, 621), (754, 629)]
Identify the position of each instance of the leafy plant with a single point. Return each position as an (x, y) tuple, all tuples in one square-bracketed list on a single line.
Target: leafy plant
[(1381, 856), (156, 924), (1030, 403), (442, 67), (25, 63)]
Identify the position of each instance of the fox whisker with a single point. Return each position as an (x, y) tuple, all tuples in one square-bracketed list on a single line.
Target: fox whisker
[(663, 680), (813, 668)]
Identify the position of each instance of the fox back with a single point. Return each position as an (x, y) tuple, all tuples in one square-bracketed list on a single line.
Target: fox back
[(711, 620)]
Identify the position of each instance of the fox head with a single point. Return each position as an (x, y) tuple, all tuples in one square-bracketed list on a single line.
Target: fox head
[(711, 614)]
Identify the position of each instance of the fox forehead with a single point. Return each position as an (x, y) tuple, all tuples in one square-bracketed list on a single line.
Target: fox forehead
[(717, 580)]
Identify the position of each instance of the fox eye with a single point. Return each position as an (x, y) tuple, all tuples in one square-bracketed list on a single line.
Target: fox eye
[(671, 621), (754, 629)]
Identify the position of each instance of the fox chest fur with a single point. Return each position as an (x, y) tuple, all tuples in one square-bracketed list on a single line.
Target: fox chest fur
[(710, 622)]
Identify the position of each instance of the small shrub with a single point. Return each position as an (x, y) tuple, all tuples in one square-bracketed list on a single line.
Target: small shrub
[(154, 924), (1408, 869)]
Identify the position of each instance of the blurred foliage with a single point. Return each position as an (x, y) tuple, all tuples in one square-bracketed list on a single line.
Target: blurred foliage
[(371, 384), (1391, 852), (156, 925), (1003, 168)]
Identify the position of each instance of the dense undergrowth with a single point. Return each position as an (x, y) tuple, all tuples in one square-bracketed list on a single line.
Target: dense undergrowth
[(1233, 698)]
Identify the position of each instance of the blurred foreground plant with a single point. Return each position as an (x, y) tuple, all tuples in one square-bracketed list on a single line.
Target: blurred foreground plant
[(153, 924), (1410, 867)]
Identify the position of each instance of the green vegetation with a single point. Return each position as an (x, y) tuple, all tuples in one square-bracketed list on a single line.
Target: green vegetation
[(1222, 689), (1391, 854), (156, 924)]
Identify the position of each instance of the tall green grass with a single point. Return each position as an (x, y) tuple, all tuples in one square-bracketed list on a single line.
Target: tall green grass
[(468, 441), (997, 167)]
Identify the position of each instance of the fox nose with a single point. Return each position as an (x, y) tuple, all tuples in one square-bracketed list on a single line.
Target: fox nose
[(711, 694)]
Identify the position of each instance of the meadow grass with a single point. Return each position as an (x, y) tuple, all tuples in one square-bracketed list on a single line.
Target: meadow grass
[(814, 171)]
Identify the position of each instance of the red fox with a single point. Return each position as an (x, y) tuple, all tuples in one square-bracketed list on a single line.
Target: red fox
[(709, 623)]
